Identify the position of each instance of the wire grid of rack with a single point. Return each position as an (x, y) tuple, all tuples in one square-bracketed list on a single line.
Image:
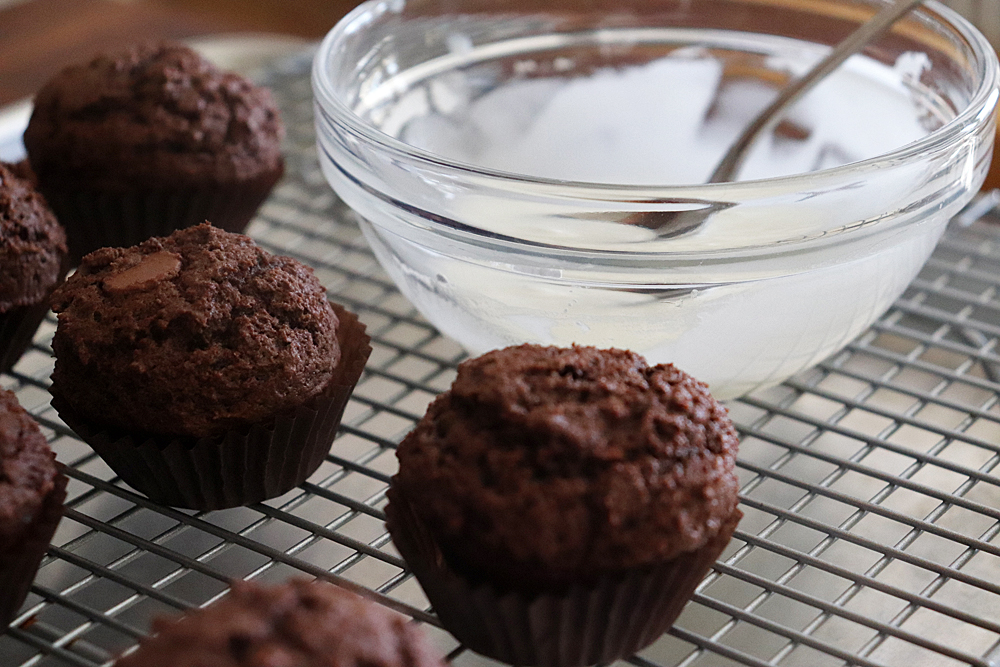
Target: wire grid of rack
[(870, 484)]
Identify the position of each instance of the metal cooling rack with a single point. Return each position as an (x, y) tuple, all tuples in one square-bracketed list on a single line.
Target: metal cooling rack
[(871, 485)]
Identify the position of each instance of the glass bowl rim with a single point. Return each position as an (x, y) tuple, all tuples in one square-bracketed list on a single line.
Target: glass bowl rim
[(980, 105)]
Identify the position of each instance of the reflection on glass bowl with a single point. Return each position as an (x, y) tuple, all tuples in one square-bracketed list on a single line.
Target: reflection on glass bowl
[(517, 169)]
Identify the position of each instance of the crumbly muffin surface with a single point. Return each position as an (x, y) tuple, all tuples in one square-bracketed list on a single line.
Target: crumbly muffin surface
[(32, 243), (554, 465), (157, 115), (191, 335), (298, 624), (27, 470)]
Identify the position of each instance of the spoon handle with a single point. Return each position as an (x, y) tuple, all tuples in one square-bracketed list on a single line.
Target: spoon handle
[(869, 30)]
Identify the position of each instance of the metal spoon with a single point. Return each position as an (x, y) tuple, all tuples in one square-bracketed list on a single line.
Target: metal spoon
[(673, 223)]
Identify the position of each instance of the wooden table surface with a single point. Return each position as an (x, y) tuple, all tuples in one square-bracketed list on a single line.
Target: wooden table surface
[(38, 37)]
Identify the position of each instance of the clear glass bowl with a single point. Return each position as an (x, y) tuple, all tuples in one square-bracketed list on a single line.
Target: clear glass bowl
[(516, 167)]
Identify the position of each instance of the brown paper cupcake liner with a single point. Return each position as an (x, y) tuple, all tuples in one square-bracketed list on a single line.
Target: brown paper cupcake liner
[(17, 329), (239, 467), (97, 219), (19, 324), (18, 566), (599, 622)]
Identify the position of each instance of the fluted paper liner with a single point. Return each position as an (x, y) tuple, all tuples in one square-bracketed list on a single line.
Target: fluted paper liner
[(17, 328), (18, 566), (19, 324), (587, 624), (97, 219), (239, 467)]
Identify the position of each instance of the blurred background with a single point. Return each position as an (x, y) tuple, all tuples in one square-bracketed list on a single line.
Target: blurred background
[(38, 37)]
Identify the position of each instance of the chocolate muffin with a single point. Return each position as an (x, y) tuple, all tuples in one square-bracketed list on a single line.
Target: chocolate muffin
[(32, 491), (576, 495), (203, 337), (155, 138), (32, 262), (298, 623)]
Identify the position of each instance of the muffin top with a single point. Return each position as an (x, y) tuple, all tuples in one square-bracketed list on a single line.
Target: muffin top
[(552, 465), (32, 243), (27, 470), (298, 623), (153, 114), (191, 335)]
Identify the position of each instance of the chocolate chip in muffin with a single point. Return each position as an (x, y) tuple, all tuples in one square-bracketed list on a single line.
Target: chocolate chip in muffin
[(191, 334)]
